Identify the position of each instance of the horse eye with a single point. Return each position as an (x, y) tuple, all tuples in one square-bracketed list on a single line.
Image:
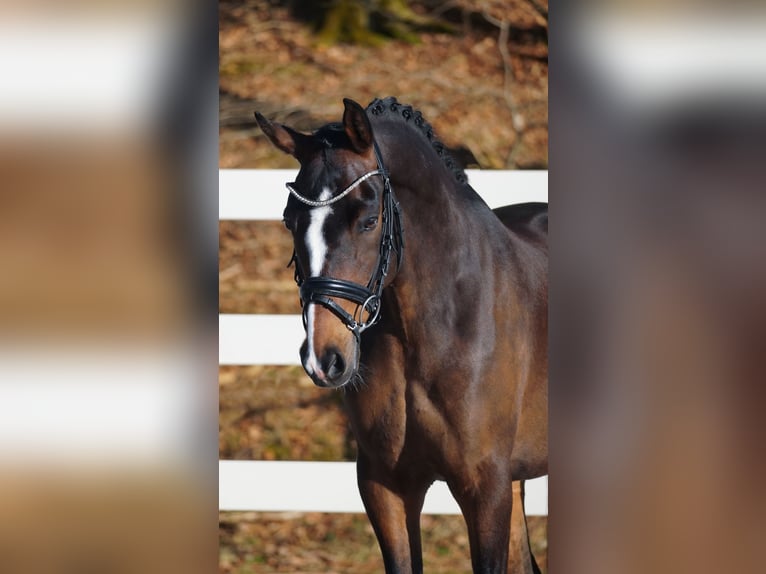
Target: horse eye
[(370, 223)]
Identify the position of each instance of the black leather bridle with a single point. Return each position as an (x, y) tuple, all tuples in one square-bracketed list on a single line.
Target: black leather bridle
[(321, 289)]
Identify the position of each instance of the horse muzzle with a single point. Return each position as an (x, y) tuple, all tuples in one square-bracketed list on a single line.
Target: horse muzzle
[(331, 368)]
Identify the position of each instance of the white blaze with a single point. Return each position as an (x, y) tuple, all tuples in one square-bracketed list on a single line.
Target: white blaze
[(317, 251)]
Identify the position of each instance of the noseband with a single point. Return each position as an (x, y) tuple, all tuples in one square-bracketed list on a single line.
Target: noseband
[(321, 289)]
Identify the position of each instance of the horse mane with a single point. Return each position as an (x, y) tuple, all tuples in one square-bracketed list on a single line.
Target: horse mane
[(391, 107)]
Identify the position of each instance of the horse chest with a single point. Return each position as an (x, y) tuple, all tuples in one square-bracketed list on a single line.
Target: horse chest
[(407, 428)]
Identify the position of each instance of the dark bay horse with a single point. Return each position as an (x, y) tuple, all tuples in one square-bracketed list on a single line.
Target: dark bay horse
[(430, 310)]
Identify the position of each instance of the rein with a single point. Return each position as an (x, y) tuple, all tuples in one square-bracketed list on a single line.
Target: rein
[(321, 289)]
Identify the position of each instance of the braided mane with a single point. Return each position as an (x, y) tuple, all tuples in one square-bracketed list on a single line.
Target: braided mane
[(391, 106)]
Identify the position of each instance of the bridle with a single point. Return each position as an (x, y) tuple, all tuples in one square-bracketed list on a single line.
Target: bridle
[(321, 289)]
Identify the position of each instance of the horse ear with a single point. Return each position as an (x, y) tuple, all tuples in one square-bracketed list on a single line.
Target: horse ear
[(357, 126), (283, 137)]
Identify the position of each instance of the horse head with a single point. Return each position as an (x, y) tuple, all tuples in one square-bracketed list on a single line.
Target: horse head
[(345, 227)]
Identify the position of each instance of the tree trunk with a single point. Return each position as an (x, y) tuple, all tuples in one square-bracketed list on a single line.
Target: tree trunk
[(371, 22)]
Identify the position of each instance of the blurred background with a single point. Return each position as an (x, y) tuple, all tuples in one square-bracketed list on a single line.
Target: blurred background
[(478, 71), (108, 193), (657, 274)]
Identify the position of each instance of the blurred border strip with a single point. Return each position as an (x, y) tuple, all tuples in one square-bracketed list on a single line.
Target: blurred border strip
[(119, 407), (647, 62), (86, 72)]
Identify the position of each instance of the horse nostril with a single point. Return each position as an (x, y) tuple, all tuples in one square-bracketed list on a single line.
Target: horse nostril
[(333, 364)]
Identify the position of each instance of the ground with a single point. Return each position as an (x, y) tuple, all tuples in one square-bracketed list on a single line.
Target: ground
[(477, 92), (490, 100)]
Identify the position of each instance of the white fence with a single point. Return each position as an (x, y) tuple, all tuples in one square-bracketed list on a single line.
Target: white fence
[(321, 486)]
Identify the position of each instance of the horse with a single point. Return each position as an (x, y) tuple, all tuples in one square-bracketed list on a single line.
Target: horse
[(429, 310)]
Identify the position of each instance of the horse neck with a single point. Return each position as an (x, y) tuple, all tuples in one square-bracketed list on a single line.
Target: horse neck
[(447, 234), (422, 182)]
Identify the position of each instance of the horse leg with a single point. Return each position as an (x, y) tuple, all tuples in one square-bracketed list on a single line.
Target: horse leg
[(487, 511), (522, 561), (395, 518)]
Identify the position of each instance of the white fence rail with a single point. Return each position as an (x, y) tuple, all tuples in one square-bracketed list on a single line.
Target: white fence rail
[(260, 193), (242, 339), (295, 486)]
